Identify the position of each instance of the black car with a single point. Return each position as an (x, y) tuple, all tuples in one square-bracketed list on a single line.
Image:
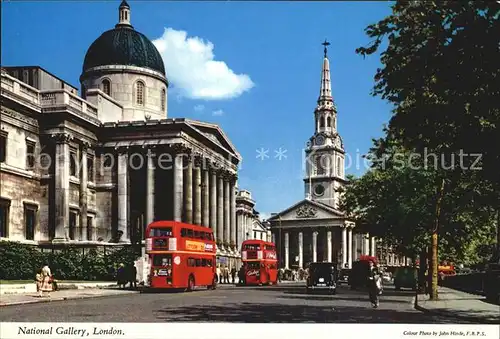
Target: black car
[(322, 276)]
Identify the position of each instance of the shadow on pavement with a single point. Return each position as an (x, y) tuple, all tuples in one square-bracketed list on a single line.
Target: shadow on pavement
[(348, 298), (276, 313)]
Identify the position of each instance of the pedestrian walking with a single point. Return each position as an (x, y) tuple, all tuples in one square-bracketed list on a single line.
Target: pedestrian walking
[(46, 284), (374, 284), (121, 276), (132, 275), (233, 274), (218, 275), (39, 281)]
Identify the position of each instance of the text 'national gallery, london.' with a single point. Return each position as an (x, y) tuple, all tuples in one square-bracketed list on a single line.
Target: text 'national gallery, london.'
[(97, 168)]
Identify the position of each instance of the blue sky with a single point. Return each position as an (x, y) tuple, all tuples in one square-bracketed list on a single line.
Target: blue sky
[(255, 67)]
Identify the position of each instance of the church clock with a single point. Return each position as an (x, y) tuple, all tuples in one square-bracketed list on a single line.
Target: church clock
[(320, 140)]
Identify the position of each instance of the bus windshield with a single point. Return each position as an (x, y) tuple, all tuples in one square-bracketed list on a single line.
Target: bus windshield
[(162, 260), (251, 247), (253, 265), (161, 232)]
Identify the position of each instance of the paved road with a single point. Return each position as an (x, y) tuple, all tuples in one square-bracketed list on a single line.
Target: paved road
[(283, 303)]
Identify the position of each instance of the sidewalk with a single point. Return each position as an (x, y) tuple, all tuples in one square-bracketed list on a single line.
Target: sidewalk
[(29, 298), (460, 305), (62, 285)]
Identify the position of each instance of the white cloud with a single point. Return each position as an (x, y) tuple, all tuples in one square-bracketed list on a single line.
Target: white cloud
[(199, 108), (218, 112), (191, 68)]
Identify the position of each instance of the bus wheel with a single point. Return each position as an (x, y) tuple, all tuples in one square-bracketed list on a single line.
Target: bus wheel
[(190, 283)]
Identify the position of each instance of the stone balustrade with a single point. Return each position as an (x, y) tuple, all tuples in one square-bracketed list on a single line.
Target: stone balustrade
[(46, 99)]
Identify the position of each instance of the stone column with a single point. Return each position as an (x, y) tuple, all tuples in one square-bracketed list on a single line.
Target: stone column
[(344, 246), (61, 179), (220, 207), (373, 250), (214, 224), (232, 202), (301, 249), (329, 251), (315, 246), (188, 191), (197, 191), (227, 211), (366, 246), (150, 189), (349, 242), (122, 179), (287, 249), (178, 179), (206, 197), (83, 191)]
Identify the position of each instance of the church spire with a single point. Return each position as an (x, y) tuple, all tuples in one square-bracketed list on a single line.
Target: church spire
[(325, 92), (124, 15)]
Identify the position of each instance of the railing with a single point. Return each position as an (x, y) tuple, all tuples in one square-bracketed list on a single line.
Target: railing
[(49, 98)]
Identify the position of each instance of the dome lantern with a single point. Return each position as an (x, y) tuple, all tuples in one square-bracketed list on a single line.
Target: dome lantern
[(124, 15)]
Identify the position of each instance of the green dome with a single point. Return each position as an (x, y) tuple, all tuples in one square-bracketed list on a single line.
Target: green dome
[(123, 46)]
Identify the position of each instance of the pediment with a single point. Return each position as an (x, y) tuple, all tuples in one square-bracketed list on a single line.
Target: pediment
[(308, 209), (215, 134)]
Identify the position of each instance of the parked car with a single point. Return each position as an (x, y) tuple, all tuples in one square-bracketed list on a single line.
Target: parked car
[(405, 277), (322, 276), (387, 277), (343, 277)]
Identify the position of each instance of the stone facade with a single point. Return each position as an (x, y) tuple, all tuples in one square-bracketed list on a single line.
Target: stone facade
[(314, 230), (96, 169)]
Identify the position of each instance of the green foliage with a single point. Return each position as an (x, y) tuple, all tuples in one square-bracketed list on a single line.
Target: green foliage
[(440, 74), (21, 261)]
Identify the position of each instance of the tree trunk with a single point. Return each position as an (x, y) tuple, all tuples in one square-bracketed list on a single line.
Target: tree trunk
[(434, 244)]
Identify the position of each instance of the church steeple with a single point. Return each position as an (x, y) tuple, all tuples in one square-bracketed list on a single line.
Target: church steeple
[(325, 92), (325, 111), (124, 15)]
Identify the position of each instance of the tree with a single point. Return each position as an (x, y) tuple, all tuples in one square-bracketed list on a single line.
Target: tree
[(440, 70)]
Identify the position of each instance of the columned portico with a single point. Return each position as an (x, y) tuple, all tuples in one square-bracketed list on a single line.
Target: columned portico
[(220, 209), (232, 201), (227, 212), (349, 245), (188, 191), (366, 242), (373, 249), (206, 190), (214, 223)]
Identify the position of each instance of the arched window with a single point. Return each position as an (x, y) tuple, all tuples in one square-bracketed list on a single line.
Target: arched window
[(163, 99), (339, 170), (139, 95), (321, 121), (320, 168), (106, 86), (328, 122)]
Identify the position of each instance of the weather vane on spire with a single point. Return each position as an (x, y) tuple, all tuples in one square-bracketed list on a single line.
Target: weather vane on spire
[(326, 43)]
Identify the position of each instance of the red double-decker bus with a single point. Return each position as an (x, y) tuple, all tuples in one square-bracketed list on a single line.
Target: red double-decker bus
[(181, 256), (259, 262)]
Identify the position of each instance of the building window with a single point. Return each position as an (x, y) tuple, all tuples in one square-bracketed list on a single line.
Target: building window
[(4, 218), (72, 163), (72, 224), (139, 96), (30, 212), (254, 234), (30, 155), (3, 146), (90, 225), (321, 121), (328, 122), (163, 99), (90, 168), (320, 170), (106, 86)]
